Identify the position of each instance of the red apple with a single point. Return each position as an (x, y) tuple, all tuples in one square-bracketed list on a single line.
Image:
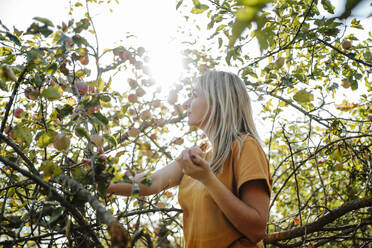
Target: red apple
[(140, 92), (18, 112), (153, 136), (345, 83), (69, 42), (346, 44), (32, 93), (132, 98), (131, 111), (96, 139), (370, 117), (133, 83), (133, 132), (124, 55), (178, 141), (92, 110), (84, 60), (160, 122), (82, 88), (61, 141), (145, 115)]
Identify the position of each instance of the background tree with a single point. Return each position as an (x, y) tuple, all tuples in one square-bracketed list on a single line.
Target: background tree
[(66, 132)]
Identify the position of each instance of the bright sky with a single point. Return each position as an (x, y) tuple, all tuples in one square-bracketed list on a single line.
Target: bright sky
[(153, 22)]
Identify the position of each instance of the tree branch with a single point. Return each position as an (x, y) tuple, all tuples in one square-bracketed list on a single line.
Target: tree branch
[(321, 222)]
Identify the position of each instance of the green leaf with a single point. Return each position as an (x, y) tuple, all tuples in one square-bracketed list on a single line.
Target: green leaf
[(356, 24), (64, 111), (23, 134), (111, 139), (100, 84), (13, 38), (51, 69), (101, 117), (303, 97), (200, 9), (328, 6), (82, 132), (51, 94), (179, 4), (45, 21), (105, 98), (3, 85), (46, 139)]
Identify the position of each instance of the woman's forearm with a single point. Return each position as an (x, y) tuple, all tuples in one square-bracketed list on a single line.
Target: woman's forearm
[(246, 219), (125, 189)]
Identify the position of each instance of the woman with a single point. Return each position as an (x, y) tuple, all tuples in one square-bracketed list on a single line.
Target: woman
[(224, 193)]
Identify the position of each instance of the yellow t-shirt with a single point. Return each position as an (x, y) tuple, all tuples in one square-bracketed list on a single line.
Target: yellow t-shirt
[(204, 224)]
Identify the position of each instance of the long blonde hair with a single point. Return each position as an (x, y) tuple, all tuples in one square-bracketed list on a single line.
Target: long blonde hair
[(230, 114)]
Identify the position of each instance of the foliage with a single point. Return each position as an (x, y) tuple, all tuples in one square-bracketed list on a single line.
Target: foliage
[(319, 147)]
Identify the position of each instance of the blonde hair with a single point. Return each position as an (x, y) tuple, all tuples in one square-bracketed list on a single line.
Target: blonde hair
[(229, 114)]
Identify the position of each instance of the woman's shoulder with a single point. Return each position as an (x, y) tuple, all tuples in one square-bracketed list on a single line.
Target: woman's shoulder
[(245, 138)]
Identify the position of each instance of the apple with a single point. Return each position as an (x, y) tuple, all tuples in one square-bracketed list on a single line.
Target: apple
[(9, 131), (147, 153), (61, 141), (140, 51), (82, 88), (133, 83), (97, 139), (140, 92), (145, 115), (124, 55), (346, 44), (370, 117), (153, 136), (161, 204), (133, 132), (345, 83), (92, 110), (69, 42), (160, 122), (131, 111), (32, 93), (178, 141), (84, 60), (157, 229), (18, 112), (132, 97)]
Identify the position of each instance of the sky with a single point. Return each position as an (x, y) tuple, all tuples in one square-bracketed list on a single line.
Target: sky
[(154, 23)]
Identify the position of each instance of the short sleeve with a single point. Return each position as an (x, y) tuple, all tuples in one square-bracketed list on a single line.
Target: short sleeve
[(251, 165)]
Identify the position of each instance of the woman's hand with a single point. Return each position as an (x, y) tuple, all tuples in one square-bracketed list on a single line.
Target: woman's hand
[(194, 165)]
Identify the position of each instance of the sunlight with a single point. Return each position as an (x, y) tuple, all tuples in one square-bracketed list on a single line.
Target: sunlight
[(165, 65)]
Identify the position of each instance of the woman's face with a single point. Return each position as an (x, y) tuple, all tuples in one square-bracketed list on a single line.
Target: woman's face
[(196, 107)]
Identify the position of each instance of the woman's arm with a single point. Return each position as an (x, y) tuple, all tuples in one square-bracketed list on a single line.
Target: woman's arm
[(166, 177), (249, 214)]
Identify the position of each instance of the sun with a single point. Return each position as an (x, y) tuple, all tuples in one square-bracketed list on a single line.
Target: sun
[(165, 64)]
